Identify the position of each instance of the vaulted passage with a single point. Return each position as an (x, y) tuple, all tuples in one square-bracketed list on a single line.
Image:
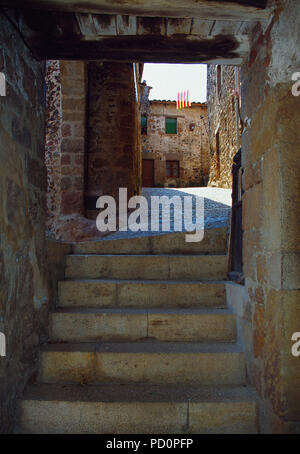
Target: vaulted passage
[(152, 326)]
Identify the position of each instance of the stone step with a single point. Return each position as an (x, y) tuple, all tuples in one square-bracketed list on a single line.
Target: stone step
[(89, 325), (138, 409), (140, 362), (215, 240), (91, 214), (140, 293), (173, 267)]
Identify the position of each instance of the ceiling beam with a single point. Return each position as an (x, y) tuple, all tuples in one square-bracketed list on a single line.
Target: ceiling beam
[(67, 36), (219, 49), (243, 10)]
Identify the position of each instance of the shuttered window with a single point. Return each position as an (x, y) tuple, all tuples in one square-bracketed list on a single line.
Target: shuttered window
[(171, 125), (143, 124), (172, 169)]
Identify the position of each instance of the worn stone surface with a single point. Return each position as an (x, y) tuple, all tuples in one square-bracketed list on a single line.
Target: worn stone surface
[(207, 368), (74, 367), (172, 364), (173, 267), (215, 240), (206, 327), (72, 146), (89, 325), (223, 101), (137, 408), (52, 141), (139, 334), (65, 140), (24, 294), (238, 417), (65, 151), (270, 160), (114, 158), (103, 417), (30, 266), (103, 293)]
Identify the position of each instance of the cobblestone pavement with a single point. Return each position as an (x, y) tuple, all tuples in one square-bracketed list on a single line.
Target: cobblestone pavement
[(217, 206)]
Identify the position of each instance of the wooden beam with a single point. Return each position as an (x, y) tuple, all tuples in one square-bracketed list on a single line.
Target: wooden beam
[(244, 10), (146, 48), (68, 36)]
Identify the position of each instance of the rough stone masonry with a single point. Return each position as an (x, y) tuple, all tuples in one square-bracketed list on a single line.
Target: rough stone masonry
[(29, 266)]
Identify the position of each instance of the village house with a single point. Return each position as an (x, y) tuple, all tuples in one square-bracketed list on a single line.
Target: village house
[(175, 148)]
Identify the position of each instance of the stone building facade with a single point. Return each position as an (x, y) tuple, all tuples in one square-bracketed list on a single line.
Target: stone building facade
[(175, 148), (223, 103)]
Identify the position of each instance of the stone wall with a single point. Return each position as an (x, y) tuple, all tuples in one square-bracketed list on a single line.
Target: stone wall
[(189, 146), (114, 152), (53, 141), (223, 100), (74, 87), (65, 147), (271, 211), (145, 93), (27, 284)]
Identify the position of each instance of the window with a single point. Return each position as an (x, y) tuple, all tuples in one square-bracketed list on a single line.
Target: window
[(171, 125), (143, 124), (172, 168)]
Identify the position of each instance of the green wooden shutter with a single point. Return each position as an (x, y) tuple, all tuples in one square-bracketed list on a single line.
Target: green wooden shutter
[(144, 121), (144, 124), (171, 125)]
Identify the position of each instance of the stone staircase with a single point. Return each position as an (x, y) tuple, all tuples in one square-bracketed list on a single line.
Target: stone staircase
[(142, 342)]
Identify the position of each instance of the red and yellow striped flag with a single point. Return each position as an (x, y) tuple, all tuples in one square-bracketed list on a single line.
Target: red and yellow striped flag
[(183, 100)]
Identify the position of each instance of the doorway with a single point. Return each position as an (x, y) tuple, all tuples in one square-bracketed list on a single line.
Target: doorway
[(148, 173)]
